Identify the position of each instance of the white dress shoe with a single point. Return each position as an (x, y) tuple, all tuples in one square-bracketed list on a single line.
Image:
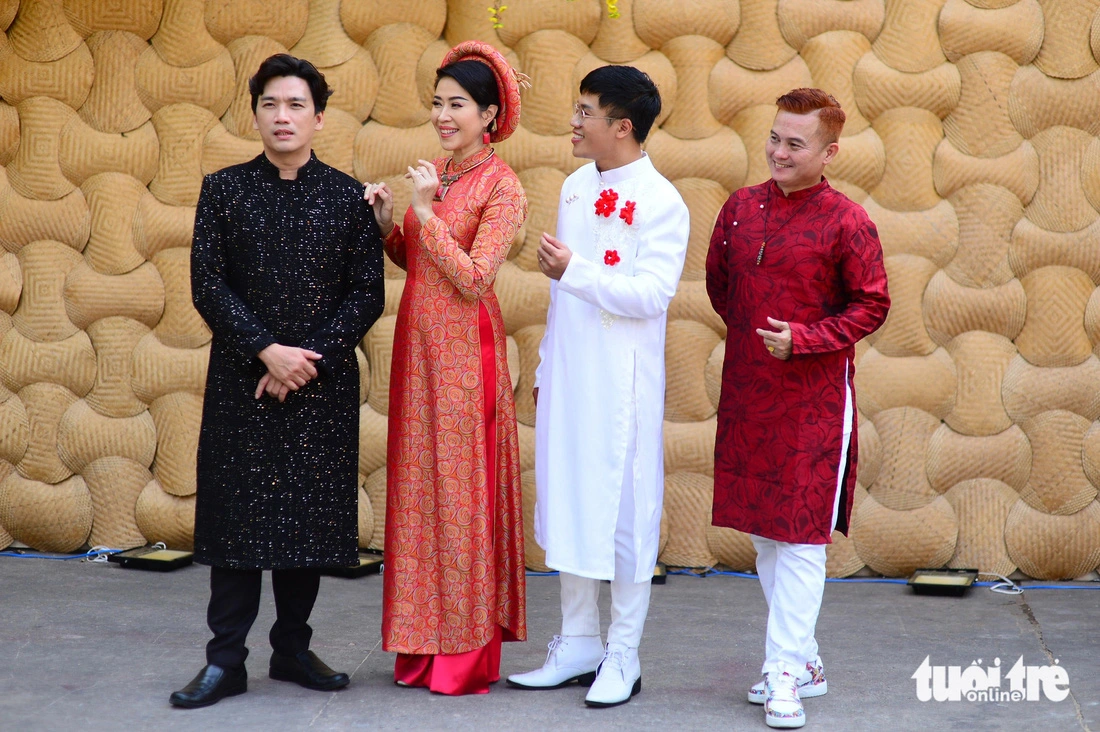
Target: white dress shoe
[(811, 683), (783, 708), (619, 678), (571, 658)]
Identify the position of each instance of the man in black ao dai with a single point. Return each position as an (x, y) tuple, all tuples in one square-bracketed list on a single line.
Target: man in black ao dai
[(286, 269)]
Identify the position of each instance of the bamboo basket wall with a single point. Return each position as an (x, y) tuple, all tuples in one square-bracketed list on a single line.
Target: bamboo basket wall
[(972, 142)]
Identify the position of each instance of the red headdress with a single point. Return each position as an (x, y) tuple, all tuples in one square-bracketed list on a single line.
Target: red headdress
[(508, 83)]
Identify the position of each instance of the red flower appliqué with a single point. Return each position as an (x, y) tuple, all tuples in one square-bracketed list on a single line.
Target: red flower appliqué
[(611, 257), (607, 202), (627, 213)]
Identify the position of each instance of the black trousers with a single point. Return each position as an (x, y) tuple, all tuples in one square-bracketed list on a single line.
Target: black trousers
[(235, 602)]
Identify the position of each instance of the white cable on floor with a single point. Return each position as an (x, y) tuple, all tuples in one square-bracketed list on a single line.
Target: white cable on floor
[(1005, 586)]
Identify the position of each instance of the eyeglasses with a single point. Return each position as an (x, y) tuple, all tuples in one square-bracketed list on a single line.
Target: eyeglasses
[(579, 111)]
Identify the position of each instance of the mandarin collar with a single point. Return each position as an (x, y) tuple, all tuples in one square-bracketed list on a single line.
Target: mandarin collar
[(270, 170), (625, 172), (803, 194)]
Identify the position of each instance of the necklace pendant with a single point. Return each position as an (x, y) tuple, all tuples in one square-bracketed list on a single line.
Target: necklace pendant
[(760, 254), (442, 191)]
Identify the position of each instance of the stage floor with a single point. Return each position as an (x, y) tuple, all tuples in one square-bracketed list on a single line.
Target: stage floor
[(87, 646)]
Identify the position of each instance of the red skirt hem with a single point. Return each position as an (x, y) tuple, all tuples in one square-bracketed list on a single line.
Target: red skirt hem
[(452, 674)]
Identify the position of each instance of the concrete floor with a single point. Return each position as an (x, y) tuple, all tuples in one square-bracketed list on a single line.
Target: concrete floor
[(87, 646)]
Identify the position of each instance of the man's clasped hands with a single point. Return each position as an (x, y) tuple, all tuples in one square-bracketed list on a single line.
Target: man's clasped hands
[(288, 369)]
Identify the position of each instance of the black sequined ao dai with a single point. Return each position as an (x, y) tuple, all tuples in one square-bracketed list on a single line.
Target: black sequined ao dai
[(296, 262)]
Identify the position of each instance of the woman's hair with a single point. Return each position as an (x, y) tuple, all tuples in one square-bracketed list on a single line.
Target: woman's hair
[(283, 64), (476, 78), (808, 101)]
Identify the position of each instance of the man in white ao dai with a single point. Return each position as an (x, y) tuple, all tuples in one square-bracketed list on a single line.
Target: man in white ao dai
[(621, 240)]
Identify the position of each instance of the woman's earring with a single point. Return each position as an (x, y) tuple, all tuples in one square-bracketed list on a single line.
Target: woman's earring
[(485, 137)]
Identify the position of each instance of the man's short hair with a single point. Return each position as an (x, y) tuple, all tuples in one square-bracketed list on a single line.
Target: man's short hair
[(283, 64), (627, 93), (807, 101)]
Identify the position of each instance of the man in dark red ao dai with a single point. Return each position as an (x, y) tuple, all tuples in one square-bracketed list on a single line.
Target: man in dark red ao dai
[(286, 269), (795, 270)]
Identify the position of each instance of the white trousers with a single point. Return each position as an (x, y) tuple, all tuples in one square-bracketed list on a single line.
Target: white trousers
[(580, 612), (792, 577)]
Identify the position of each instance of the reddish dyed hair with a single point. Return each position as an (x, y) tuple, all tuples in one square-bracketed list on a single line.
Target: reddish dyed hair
[(808, 101)]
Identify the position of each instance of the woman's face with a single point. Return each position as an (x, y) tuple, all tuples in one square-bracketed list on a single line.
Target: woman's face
[(458, 120)]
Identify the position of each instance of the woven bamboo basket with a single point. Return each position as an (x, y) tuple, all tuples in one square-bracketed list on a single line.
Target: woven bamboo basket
[(324, 42), (903, 333), (902, 484), (46, 404), (733, 87), (693, 57), (932, 234), (1038, 102), (70, 363), (159, 226), (982, 505), (952, 310), (114, 339), (396, 50), (928, 383), (1018, 171), (1034, 247), (616, 41), (1065, 53), (177, 418), (688, 346), (84, 436), (183, 38), (832, 58), (910, 136), (579, 19), (163, 517), (534, 555), (688, 498), (15, 432), (987, 215), (210, 84), (1057, 484), (980, 125), (48, 517), (1053, 547), (359, 20), (981, 359), (25, 221), (759, 44), (113, 104), (732, 548), (1030, 390), (908, 41), (1054, 332), (114, 484), (1060, 203), (180, 326), (133, 16), (689, 447), (68, 79), (954, 458), (159, 370), (879, 87), (375, 488), (895, 543), (801, 20), (137, 295), (366, 517), (1014, 29)]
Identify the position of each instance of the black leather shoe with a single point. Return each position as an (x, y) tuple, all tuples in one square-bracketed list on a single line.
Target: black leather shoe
[(213, 684), (306, 670)]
